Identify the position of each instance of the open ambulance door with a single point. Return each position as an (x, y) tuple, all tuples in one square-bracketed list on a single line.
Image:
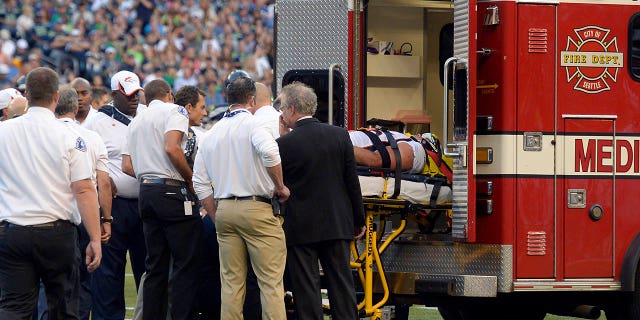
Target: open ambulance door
[(459, 123)]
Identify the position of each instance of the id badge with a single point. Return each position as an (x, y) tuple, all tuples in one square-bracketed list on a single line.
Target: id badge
[(188, 210)]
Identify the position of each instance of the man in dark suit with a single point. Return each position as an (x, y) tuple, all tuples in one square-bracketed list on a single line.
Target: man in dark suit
[(324, 212)]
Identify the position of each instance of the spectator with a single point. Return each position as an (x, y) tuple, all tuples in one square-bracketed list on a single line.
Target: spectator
[(157, 32)]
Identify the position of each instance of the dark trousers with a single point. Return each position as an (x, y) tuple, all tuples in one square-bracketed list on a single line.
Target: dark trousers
[(85, 277), (208, 300), (84, 293), (107, 283), (303, 270), (28, 254), (170, 233)]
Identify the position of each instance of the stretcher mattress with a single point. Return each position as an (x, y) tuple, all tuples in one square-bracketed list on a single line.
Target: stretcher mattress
[(415, 192)]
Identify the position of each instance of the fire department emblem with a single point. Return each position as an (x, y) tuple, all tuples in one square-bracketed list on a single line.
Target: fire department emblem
[(591, 59)]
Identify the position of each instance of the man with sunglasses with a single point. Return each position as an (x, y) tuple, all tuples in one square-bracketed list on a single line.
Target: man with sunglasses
[(111, 123)]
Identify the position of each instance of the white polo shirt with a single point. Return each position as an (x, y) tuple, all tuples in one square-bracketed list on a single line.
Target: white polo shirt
[(145, 139), (39, 159), (233, 156), (271, 118), (96, 150), (113, 134)]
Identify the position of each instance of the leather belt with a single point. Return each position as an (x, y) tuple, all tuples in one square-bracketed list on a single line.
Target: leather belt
[(254, 198), (51, 224), (165, 181)]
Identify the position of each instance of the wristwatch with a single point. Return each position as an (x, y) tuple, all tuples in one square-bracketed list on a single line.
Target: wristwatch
[(106, 220)]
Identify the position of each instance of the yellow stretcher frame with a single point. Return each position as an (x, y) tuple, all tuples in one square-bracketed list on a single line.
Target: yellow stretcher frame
[(375, 246)]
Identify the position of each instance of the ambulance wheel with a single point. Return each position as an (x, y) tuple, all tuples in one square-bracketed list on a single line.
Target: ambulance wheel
[(627, 305), (450, 313)]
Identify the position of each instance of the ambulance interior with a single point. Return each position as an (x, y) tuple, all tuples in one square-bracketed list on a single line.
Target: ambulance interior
[(407, 44)]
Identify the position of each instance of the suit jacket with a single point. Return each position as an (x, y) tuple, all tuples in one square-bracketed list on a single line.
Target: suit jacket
[(320, 171)]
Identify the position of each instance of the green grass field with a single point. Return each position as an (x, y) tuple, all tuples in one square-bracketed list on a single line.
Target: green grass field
[(415, 313)]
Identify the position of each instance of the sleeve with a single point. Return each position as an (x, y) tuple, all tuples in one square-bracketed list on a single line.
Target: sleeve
[(178, 120), (201, 180), (103, 156), (79, 162), (265, 144), (352, 182), (124, 149)]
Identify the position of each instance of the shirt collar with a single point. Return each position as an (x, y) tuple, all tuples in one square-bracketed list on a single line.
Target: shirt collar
[(41, 112), (305, 117)]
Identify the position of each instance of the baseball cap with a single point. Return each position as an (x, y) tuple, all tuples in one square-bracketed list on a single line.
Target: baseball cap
[(6, 95), (126, 82)]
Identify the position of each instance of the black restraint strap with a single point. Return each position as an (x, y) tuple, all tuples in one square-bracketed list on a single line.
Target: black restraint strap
[(111, 112), (433, 200), (379, 146), (394, 146)]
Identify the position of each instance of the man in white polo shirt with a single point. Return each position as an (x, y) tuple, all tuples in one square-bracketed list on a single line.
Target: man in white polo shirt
[(172, 225), (111, 122), (66, 111), (43, 167)]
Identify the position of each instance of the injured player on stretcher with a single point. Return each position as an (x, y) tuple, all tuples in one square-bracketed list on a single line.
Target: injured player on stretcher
[(372, 149), (369, 153)]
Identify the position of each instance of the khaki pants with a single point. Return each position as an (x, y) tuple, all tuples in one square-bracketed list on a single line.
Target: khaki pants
[(250, 226)]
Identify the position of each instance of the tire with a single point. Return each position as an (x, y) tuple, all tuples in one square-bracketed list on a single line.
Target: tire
[(627, 305), (450, 313)]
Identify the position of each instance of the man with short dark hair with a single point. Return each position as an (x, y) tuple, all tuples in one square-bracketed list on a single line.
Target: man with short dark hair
[(240, 157), (172, 226), (43, 167), (83, 88)]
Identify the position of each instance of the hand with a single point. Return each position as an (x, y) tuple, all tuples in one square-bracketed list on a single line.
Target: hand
[(283, 194), (105, 232), (359, 232), (94, 255), (282, 127)]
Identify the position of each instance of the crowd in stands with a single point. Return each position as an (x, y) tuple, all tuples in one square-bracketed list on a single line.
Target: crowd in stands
[(186, 42)]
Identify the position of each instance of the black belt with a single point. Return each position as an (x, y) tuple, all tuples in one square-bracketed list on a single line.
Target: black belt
[(51, 224), (165, 181), (254, 198)]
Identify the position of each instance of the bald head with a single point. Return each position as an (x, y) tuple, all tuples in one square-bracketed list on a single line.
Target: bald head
[(263, 95), (17, 107)]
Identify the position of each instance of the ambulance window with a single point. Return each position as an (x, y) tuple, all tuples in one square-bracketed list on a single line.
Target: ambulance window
[(634, 46)]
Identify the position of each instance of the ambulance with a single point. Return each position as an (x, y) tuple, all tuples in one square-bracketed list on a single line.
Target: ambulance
[(538, 104)]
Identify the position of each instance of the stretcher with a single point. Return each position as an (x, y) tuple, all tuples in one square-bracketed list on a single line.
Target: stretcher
[(413, 197)]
